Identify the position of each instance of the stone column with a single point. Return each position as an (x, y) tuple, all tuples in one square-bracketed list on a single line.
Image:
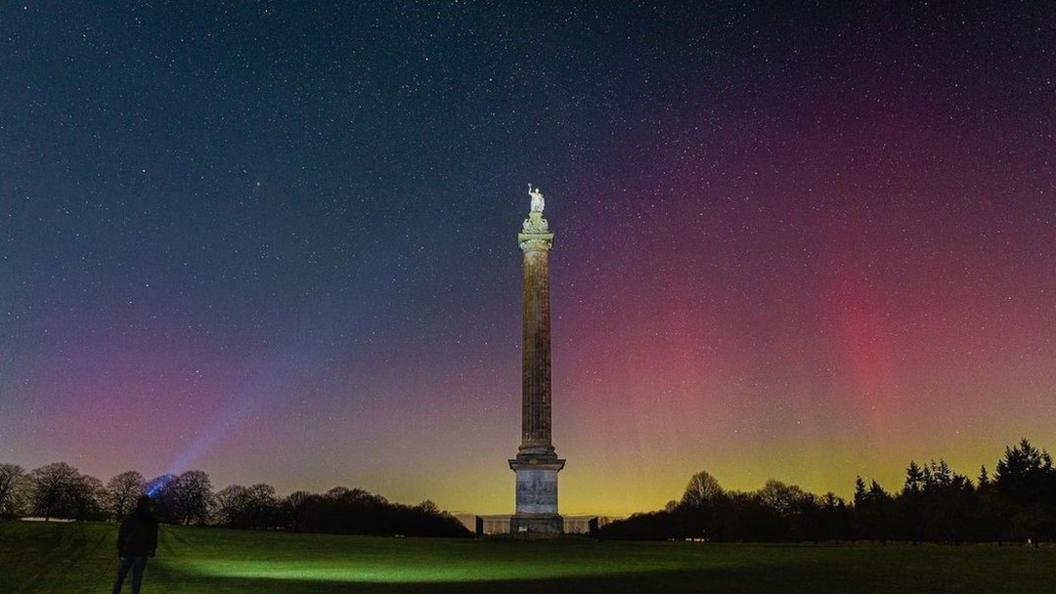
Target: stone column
[(535, 356), (536, 463)]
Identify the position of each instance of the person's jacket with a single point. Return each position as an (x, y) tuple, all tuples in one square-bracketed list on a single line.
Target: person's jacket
[(138, 536)]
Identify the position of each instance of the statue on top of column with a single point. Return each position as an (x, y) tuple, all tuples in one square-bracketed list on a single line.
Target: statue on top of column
[(537, 199), (535, 223)]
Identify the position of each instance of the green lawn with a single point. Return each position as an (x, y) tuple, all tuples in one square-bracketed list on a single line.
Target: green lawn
[(80, 558)]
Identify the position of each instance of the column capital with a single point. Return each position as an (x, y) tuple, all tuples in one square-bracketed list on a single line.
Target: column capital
[(536, 235), (535, 242)]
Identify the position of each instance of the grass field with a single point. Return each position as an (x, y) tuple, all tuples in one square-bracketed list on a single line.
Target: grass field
[(80, 558)]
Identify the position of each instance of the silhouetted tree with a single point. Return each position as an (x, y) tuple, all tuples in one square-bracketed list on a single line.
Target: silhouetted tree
[(834, 518), (948, 500), (986, 519), (11, 479), (911, 505), (1025, 478), (860, 494), (427, 507), (230, 506), (254, 507), (984, 478), (337, 492), (88, 498), (703, 489), (914, 479), (52, 490), (191, 496), (290, 510), (297, 498), (355, 511), (161, 490), (1024, 473), (876, 511), (123, 490), (699, 510), (861, 502), (784, 500), (261, 506)]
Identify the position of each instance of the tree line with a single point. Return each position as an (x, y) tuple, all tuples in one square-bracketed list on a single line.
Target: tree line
[(60, 491), (1017, 502)]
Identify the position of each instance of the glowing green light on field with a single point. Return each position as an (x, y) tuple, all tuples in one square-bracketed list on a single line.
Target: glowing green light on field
[(346, 571)]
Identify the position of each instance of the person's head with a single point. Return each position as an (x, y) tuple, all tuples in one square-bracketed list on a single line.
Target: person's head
[(143, 503)]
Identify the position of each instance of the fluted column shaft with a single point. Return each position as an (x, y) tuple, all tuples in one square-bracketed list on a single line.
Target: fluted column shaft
[(535, 363)]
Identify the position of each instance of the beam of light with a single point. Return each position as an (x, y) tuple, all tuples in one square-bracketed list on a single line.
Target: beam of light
[(263, 391), (156, 486)]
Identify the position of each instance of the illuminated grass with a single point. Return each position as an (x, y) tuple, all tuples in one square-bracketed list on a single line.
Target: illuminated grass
[(359, 572), (412, 568), (80, 558)]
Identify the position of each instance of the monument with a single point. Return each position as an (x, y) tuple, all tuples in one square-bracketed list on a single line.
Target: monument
[(536, 464)]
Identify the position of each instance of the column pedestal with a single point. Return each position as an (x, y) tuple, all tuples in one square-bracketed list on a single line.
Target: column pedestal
[(536, 497)]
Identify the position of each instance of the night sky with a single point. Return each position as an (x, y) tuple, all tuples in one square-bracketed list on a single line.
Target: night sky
[(277, 241)]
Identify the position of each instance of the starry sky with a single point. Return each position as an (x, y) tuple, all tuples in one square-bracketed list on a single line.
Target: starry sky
[(277, 241)]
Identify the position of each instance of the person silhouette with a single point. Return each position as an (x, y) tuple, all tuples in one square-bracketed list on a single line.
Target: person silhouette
[(136, 541)]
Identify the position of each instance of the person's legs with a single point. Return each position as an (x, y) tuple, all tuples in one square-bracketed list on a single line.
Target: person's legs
[(138, 565), (123, 565)]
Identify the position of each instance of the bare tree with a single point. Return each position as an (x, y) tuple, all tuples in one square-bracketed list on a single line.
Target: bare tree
[(193, 495), (123, 490), (297, 499), (783, 499), (87, 497), (338, 492), (263, 505), (703, 489), (52, 490), (428, 507), (230, 505), (11, 477), (242, 507)]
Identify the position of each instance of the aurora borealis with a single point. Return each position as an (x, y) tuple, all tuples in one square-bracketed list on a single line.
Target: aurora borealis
[(277, 242)]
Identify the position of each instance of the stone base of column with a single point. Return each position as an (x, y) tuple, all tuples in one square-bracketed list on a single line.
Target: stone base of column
[(537, 496), (536, 526)]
